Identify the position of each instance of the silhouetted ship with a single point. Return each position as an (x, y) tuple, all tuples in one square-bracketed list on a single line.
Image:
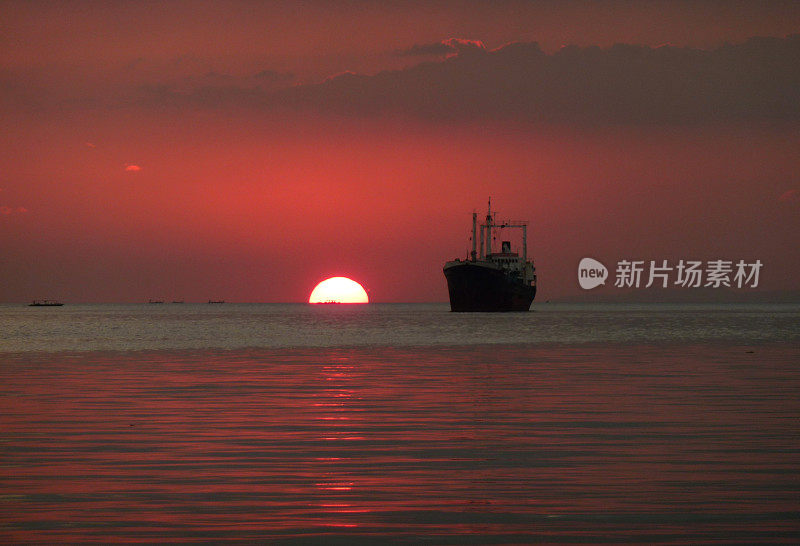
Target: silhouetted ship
[(216, 301), (492, 281), (45, 303)]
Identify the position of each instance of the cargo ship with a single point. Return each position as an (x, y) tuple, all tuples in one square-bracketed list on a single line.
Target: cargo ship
[(492, 281)]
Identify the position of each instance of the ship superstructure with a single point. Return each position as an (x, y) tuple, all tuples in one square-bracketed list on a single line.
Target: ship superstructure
[(488, 280)]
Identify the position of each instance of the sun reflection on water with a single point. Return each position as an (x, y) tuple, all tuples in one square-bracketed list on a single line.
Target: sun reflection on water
[(505, 444)]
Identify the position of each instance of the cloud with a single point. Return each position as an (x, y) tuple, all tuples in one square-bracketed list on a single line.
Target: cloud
[(755, 80), (38, 92), (6, 210), (463, 46), (790, 196), (452, 46), (272, 77), (214, 89), (132, 168), (91, 145), (425, 50)]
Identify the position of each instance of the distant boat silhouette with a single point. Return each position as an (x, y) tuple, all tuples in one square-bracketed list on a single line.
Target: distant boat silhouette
[(216, 301), (177, 301), (155, 301), (45, 303)]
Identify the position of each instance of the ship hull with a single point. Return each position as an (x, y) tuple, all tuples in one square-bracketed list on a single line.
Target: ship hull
[(474, 287)]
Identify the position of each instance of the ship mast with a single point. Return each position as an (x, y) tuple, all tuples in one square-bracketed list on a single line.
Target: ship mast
[(489, 228), (474, 253), (486, 235)]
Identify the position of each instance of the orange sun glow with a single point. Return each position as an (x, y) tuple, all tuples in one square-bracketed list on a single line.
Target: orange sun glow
[(338, 290)]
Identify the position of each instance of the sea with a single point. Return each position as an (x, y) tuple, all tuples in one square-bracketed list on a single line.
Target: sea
[(400, 424)]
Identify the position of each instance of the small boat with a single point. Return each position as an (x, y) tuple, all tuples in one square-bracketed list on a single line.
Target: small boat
[(216, 301), (155, 301), (177, 301), (45, 303)]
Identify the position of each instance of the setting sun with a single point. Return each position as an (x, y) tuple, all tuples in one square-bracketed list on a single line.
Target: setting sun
[(338, 290)]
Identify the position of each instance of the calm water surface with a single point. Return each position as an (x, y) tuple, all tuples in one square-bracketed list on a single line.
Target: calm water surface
[(404, 423), (235, 326)]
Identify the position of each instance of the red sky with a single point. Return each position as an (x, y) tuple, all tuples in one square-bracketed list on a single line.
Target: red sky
[(215, 150)]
